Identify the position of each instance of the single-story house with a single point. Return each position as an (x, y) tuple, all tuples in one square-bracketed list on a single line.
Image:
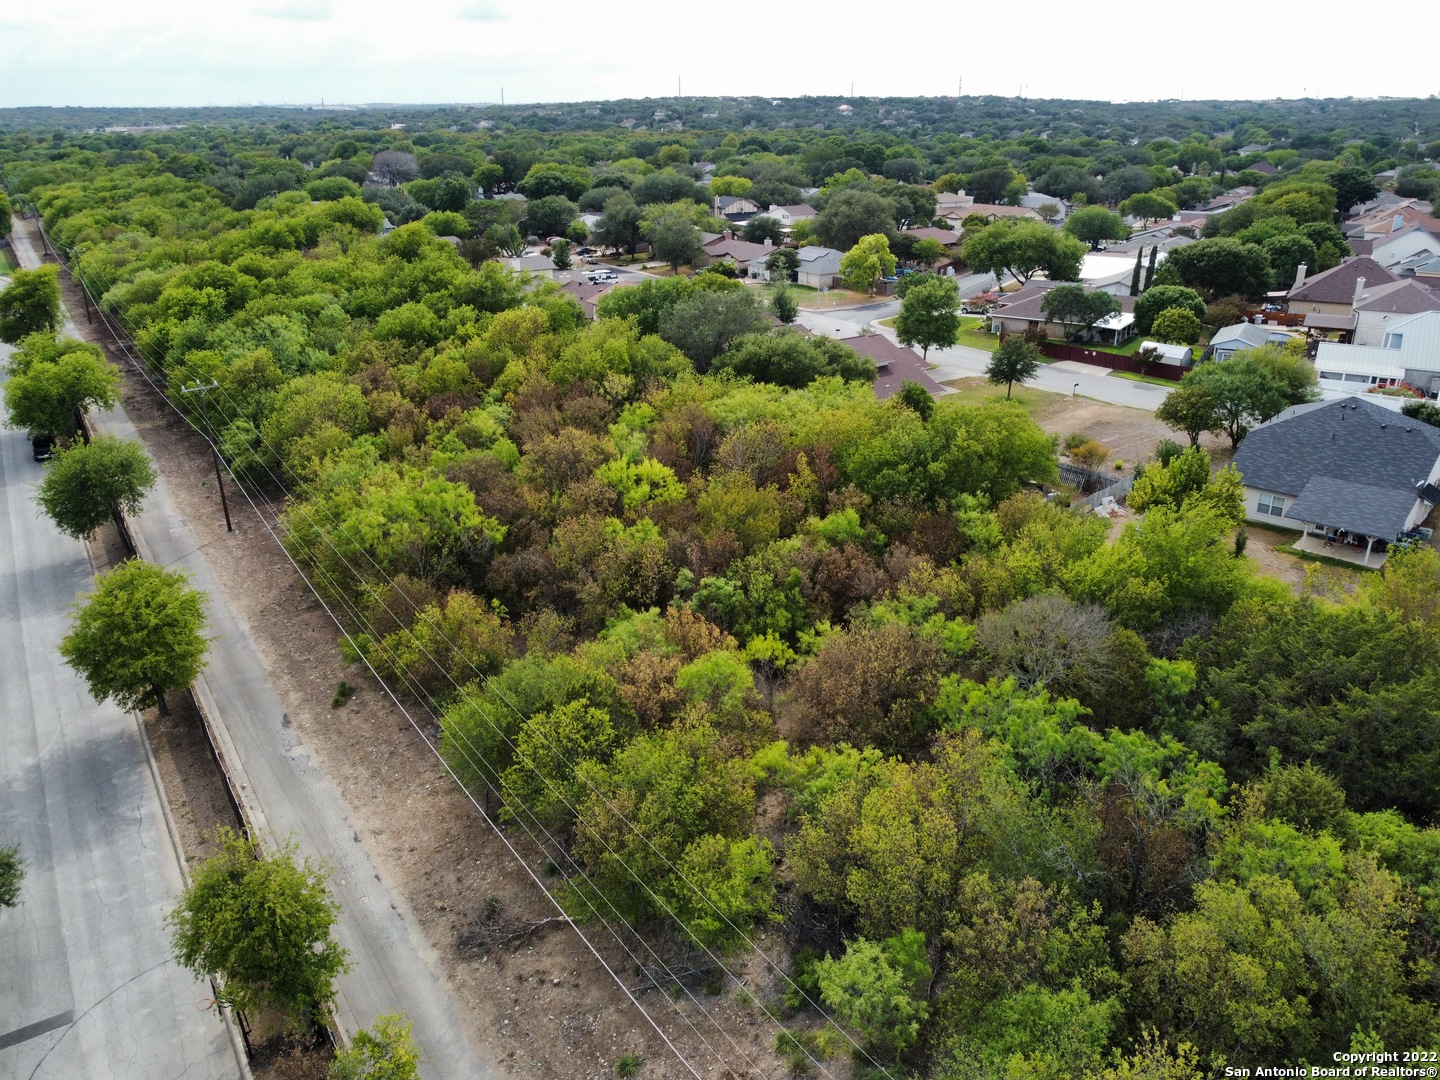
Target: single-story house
[(749, 259), (588, 293), (1021, 310), (1344, 471), (948, 237), (819, 267), (788, 215), (991, 212), (1232, 339), (538, 265), (1380, 308), (894, 364)]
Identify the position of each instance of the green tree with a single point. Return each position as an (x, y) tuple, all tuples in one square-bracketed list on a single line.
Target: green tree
[(704, 324), (1094, 224), (1191, 409), (387, 1051), (878, 988), (1148, 206), (560, 254), (783, 305), (1352, 185), (1286, 253), (5, 215), (52, 383), (30, 304), (12, 876), (139, 634), (1222, 266), (1179, 326), (619, 226), (1023, 249), (550, 216), (1135, 274), (1016, 360), (867, 262), (551, 180), (929, 315), (791, 359), (676, 240), (87, 485), (1158, 298), (782, 263), (763, 227), (1244, 392), (261, 926), (851, 214), (1076, 308)]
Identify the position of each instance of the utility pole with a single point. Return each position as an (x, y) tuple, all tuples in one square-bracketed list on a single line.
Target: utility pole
[(202, 390)]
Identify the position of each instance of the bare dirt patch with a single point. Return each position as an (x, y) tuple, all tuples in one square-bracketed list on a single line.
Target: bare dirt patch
[(545, 1008)]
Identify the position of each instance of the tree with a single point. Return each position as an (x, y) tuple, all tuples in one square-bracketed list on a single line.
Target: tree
[(674, 239), (1158, 298), (619, 225), (783, 305), (1192, 409), (1024, 249), (12, 876), (1076, 308), (560, 254), (1148, 206), (550, 216), (5, 215), (30, 304), (763, 227), (929, 315), (852, 214), (52, 383), (926, 252), (878, 988), (1245, 394), (791, 359), (139, 634), (782, 263), (87, 485), (703, 325), (262, 926), (1150, 268), (1135, 274), (1092, 224), (1222, 265), (731, 185), (988, 185), (1179, 326), (548, 179), (1286, 253), (394, 167), (1352, 185), (1016, 360), (867, 262), (386, 1052)]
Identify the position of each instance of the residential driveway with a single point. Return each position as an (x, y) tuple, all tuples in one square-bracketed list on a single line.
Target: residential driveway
[(88, 987)]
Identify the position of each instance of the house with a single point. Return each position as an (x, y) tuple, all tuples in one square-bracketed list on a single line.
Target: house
[(1393, 249), (538, 265), (1021, 310), (1112, 273), (788, 215), (1409, 353), (894, 365), (1264, 168), (588, 293), (749, 259), (946, 237), (1327, 299), (1232, 339), (734, 207), (819, 267), (1037, 200), (991, 212), (1347, 465), (1377, 309)]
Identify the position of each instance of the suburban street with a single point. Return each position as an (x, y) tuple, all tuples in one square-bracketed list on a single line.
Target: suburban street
[(89, 988), (394, 967)]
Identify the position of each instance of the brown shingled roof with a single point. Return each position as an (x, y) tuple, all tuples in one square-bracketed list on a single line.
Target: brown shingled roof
[(1337, 285)]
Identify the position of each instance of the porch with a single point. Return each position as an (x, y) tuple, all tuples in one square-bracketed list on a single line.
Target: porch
[(1347, 547)]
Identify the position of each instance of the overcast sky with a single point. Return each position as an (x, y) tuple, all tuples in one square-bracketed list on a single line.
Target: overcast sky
[(166, 52)]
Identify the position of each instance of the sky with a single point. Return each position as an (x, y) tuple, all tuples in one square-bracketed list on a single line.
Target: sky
[(164, 52)]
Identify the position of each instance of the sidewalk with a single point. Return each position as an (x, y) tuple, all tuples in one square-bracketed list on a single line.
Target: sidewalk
[(394, 967)]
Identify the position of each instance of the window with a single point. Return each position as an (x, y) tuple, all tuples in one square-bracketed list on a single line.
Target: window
[(1394, 341), (1271, 505)]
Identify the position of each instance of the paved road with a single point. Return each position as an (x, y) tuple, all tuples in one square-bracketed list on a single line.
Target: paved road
[(87, 988), (394, 967)]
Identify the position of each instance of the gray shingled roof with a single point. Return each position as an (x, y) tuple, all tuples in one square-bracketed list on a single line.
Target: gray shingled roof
[(1361, 508), (1369, 460)]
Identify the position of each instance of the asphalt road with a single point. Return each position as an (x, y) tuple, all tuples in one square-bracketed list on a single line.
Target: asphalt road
[(394, 967), (87, 987)]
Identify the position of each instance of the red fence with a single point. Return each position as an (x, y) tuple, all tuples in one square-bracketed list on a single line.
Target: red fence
[(1058, 351)]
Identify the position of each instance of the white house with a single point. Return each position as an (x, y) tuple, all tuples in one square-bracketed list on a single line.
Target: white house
[(1378, 308), (788, 215), (819, 267), (1232, 339), (1396, 247), (1408, 353)]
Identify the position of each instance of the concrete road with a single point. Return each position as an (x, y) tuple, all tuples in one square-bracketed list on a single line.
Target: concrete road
[(394, 966), (88, 988)]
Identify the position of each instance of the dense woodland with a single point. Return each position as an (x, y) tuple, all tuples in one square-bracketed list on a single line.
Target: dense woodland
[(749, 652)]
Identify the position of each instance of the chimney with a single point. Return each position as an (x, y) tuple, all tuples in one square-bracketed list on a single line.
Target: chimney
[(767, 241), (1299, 276), (1359, 290)]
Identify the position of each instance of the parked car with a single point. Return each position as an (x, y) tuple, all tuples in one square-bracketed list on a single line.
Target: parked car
[(42, 447)]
